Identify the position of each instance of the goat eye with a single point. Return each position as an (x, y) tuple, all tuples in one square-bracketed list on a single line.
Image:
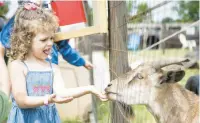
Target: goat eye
[(139, 76), (153, 71)]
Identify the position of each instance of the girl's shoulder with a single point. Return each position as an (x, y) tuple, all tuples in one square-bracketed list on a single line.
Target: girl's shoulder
[(17, 65), (55, 67)]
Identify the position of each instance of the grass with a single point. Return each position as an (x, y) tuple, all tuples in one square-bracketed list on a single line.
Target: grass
[(103, 111), (72, 120), (142, 115), (149, 55)]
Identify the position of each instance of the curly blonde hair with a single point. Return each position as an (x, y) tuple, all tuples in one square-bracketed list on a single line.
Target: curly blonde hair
[(27, 24)]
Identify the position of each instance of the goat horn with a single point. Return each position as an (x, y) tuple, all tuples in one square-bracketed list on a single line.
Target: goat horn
[(162, 64)]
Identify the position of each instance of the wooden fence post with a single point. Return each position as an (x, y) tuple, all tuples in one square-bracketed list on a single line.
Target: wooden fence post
[(117, 42)]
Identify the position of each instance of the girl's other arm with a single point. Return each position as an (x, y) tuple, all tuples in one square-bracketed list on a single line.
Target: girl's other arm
[(60, 90), (69, 54), (5, 42), (4, 76)]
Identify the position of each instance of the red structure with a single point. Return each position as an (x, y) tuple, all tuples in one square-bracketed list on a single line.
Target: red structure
[(69, 12), (1, 3)]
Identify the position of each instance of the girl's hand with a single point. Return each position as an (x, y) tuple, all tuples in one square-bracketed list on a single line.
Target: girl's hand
[(101, 96), (88, 65), (56, 99)]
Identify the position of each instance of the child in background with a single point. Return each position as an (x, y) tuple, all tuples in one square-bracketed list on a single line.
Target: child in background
[(36, 82)]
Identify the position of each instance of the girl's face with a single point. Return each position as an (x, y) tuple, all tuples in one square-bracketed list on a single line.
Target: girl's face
[(42, 45)]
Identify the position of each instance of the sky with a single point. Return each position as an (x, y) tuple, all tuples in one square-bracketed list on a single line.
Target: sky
[(157, 14), (161, 12), (12, 8)]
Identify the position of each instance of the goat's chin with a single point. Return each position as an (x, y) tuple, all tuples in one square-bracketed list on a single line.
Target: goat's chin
[(112, 96), (115, 97)]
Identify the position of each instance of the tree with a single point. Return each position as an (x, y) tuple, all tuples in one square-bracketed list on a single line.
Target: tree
[(167, 20), (89, 13), (188, 11), (118, 61), (129, 6), (141, 8), (3, 9)]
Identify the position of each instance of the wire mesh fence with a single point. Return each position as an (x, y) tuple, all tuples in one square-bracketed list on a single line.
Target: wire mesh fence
[(149, 31), (148, 34)]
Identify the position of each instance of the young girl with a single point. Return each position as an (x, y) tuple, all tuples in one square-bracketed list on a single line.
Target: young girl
[(36, 82)]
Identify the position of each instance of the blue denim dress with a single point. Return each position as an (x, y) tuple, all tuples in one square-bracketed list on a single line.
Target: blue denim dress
[(38, 83)]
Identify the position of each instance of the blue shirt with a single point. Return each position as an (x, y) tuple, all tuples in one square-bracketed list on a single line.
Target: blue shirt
[(69, 54)]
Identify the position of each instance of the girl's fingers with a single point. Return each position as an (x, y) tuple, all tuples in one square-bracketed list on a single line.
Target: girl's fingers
[(88, 65), (103, 97), (104, 100), (52, 96)]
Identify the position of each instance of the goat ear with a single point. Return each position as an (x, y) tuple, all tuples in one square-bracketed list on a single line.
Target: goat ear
[(174, 76)]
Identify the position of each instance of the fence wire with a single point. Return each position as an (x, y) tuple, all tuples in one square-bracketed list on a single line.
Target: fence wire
[(147, 39)]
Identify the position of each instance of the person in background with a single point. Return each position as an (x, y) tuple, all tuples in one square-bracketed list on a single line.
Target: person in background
[(192, 84)]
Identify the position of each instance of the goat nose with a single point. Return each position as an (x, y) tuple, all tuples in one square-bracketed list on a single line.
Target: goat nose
[(109, 85)]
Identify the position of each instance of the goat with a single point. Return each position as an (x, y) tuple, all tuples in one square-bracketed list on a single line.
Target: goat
[(150, 85)]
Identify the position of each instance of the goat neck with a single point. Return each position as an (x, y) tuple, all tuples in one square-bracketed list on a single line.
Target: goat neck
[(174, 104)]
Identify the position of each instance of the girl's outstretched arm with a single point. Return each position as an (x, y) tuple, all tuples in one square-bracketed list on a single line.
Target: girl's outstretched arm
[(18, 82), (59, 88)]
